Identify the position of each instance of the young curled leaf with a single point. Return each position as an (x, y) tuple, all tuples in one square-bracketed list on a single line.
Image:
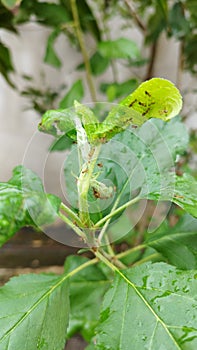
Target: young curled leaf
[(155, 98)]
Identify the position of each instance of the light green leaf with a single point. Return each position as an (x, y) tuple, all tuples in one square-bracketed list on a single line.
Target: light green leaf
[(119, 48), (23, 202), (155, 98), (11, 4), (50, 54), (34, 312), (59, 122), (152, 306), (177, 244), (87, 289), (76, 92)]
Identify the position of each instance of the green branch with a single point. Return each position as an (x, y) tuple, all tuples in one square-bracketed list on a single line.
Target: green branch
[(80, 38)]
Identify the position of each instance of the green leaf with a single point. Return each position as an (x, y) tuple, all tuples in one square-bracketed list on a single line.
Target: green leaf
[(11, 4), (59, 122), (76, 92), (119, 48), (180, 26), (181, 190), (117, 90), (54, 15), (87, 289), (178, 244), (98, 64), (61, 144), (50, 54), (34, 312), (63, 121), (6, 65), (155, 98), (23, 202), (152, 306)]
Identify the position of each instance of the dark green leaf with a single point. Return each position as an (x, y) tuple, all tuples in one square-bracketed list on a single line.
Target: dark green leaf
[(98, 64), (61, 144), (179, 25), (76, 92), (178, 244), (24, 203), (34, 312), (53, 15), (86, 293), (119, 48), (50, 54), (152, 306), (6, 65)]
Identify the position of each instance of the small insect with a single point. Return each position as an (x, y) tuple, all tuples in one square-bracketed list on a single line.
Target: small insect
[(177, 196), (100, 165), (142, 104), (143, 114), (132, 103), (147, 93)]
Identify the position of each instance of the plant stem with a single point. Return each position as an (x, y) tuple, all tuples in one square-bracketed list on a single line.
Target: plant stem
[(135, 16), (117, 211), (80, 37), (130, 251), (75, 228), (83, 187), (147, 258), (71, 213)]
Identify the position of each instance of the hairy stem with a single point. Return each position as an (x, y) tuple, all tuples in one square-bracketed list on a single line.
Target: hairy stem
[(117, 211), (83, 187), (71, 214), (80, 37), (75, 228), (130, 251)]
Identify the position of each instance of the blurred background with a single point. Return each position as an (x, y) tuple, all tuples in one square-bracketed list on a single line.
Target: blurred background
[(52, 52)]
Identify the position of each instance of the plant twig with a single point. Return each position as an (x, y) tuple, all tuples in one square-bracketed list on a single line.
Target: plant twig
[(117, 211), (71, 213), (130, 251), (150, 68), (147, 258), (83, 187), (80, 37), (75, 228), (135, 16)]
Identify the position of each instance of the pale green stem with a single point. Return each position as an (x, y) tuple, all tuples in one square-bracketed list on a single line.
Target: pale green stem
[(83, 187), (117, 211), (80, 37), (75, 228), (130, 251), (71, 213), (147, 258)]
